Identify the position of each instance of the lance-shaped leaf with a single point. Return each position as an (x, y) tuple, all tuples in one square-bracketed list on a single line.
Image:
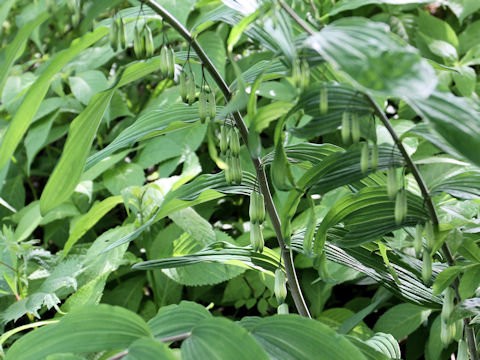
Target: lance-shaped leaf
[(369, 214), (343, 167), (374, 59), (14, 49), (220, 252), (299, 154)]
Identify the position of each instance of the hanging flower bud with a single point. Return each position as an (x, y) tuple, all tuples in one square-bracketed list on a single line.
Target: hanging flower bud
[(122, 33), (163, 61), (280, 286), (183, 86), (191, 89), (149, 46), (171, 63), (400, 206), (257, 207), (392, 182), (223, 139), (282, 309), (234, 141), (138, 44), (346, 127), (114, 34), (323, 100), (202, 106), (212, 105), (256, 238)]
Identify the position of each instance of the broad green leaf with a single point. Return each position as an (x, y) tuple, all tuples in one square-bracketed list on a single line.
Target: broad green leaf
[(470, 250), (367, 215), (445, 278), (469, 282), (464, 186), (122, 176), (343, 167), (456, 119), (15, 48), (436, 28), (87, 329), (149, 349), (128, 294), (374, 59), (307, 339), (231, 342), (463, 8), (35, 94), (86, 84), (87, 221), (29, 221), (178, 319), (469, 37), (401, 320)]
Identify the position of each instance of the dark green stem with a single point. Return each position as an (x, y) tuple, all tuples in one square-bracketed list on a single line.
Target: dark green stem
[(294, 285)]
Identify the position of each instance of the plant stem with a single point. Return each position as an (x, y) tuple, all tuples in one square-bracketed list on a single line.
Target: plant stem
[(470, 335), (261, 176)]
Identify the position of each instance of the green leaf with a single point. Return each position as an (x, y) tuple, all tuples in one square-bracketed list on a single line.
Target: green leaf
[(87, 329), (456, 119), (220, 252), (369, 214), (229, 340), (152, 122), (343, 167), (122, 176), (178, 319), (16, 46), (470, 250), (445, 278), (401, 320), (30, 218), (464, 186), (436, 28), (87, 221), (35, 94), (469, 282), (374, 59), (307, 339), (87, 84), (408, 269), (149, 349), (345, 5), (463, 8)]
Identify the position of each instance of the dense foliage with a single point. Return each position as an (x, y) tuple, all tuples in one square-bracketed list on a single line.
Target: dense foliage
[(138, 224)]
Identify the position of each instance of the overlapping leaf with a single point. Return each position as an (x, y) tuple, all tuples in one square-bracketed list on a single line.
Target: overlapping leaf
[(369, 214), (374, 59)]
